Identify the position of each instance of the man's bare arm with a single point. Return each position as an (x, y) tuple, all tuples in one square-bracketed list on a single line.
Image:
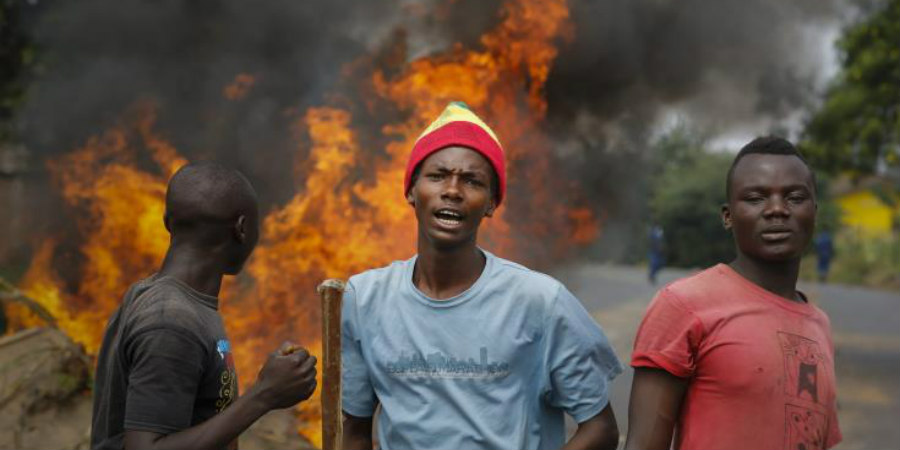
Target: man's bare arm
[(656, 398), (599, 432), (283, 381), (357, 432)]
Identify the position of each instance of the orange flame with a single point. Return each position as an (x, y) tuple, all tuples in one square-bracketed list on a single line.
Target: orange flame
[(343, 220), (123, 208)]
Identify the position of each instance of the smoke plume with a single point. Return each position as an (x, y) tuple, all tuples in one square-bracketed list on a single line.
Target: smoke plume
[(230, 77)]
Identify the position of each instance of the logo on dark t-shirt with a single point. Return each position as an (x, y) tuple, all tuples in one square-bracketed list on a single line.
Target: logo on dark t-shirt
[(228, 378)]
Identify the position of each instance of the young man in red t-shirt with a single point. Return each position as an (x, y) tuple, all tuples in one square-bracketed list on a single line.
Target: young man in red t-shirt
[(735, 357)]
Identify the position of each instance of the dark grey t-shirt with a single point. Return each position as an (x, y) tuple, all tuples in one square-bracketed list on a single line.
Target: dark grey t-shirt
[(165, 364)]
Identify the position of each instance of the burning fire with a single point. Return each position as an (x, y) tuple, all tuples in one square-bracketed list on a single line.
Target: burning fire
[(348, 216), (120, 216)]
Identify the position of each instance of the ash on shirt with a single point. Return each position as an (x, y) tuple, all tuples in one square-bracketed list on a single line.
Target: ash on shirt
[(165, 364), (494, 367)]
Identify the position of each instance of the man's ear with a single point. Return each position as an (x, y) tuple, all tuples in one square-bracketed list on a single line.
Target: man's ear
[(491, 209), (166, 222), (240, 229), (726, 216), (410, 198)]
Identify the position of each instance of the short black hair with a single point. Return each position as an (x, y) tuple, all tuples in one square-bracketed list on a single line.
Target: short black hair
[(766, 145), (207, 192), (495, 180)]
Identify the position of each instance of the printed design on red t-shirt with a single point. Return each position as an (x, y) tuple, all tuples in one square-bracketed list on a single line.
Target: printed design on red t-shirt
[(804, 428), (803, 364)]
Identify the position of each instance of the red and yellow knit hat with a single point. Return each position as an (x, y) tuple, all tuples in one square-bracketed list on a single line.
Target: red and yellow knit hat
[(458, 125)]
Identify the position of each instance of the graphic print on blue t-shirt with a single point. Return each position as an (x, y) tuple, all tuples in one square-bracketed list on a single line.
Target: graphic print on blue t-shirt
[(496, 366), (438, 365)]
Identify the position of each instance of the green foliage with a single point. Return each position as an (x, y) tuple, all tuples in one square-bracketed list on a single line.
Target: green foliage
[(680, 147), (688, 192), (829, 213), (861, 259), (17, 59), (687, 197), (858, 126)]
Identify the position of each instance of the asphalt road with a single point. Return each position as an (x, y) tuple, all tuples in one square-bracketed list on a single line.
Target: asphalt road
[(865, 325)]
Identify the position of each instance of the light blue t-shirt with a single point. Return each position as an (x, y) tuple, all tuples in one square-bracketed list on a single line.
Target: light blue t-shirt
[(494, 367)]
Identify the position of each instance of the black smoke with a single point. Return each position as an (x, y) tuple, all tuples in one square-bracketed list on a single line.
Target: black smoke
[(103, 56), (723, 67), (722, 64)]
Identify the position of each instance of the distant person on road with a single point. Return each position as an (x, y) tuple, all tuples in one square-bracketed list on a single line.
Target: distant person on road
[(656, 255), (165, 375), (460, 348), (824, 252), (735, 357)]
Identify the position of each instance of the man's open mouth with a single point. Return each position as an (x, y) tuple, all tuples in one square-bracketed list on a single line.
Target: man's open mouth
[(449, 217)]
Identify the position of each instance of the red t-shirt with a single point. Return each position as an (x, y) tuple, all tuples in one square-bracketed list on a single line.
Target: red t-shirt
[(760, 367)]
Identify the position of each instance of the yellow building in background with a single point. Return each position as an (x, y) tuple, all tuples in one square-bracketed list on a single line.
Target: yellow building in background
[(867, 211)]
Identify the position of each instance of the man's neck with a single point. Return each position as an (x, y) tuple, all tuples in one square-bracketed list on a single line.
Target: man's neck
[(445, 273), (197, 268), (779, 278)]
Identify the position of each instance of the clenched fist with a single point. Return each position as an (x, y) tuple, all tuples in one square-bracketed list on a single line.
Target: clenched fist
[(287, 378)]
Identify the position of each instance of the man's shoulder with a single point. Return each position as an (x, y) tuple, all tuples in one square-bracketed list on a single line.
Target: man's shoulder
[(158, 303), (523, 274), (530, 283), (698, 289), (820, 317), (378, 277)]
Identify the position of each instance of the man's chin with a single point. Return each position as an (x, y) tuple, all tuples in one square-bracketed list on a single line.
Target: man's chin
[(443, 240), (779, 256), (234, 269)]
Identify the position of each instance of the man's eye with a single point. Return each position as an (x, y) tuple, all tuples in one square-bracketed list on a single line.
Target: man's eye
[(754, 199), (797, 198), (474, 182), (434, 176)]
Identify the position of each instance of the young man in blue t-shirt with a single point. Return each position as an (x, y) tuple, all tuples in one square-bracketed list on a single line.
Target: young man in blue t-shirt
[(463, 349)]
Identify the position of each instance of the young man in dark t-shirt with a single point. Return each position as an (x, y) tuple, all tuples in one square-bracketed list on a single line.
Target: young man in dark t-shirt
[(165, 375)]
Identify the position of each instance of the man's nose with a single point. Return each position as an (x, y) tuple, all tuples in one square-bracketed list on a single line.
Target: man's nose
[(451, 189), (776, 206)]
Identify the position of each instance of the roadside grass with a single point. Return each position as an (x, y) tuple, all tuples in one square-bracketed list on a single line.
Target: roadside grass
[(871, 261)]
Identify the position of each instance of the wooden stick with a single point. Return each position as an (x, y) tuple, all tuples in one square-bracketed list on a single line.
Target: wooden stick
[(9, 293), (331, 293)]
